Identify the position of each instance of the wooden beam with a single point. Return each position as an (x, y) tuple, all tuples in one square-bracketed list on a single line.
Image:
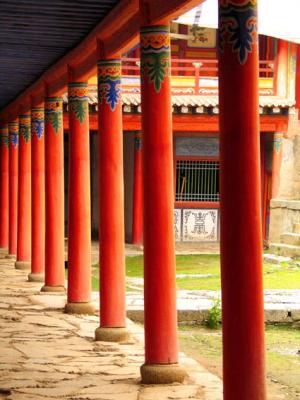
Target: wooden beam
[(192, 124), (119, 31)]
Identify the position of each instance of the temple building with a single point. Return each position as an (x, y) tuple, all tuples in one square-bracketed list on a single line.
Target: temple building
[(121, 122), (196, 159)]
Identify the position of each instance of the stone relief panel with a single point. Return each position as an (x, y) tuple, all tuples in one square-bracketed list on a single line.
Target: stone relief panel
[(207, 147), (177, 224), (199, 225)]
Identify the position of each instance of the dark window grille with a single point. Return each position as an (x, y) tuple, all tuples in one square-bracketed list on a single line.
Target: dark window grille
[(197, 180)]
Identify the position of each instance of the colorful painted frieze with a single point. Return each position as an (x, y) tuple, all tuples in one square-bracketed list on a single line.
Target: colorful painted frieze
[(155, 55), (25, 127), (109, 83), (238, 27), (37, 122)]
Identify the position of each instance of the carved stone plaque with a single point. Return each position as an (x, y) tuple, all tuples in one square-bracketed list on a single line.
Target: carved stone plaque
[(186, 146), (177, 224), (199, 225)]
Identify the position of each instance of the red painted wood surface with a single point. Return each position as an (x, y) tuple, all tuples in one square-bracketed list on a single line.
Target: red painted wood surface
[(111, 197), (192, 123), (4, 191), (13, 185), (54, 184), (38, 190), (281, 79), (158, 196), (137, 209), (24, 190), (241, 233), (79, 241), (276, 163)]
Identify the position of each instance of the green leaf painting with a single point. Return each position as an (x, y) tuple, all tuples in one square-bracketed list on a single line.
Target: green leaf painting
[(80, 109), (55, 120)]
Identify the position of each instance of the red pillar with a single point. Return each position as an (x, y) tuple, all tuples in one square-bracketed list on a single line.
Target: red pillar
[(276, 163), (282, 68), (24, 195), (38, 195), (4, 178), (13, 187), (111, 207), (54, 185), (79, 241), (241, 236), (137, 211), (161, 358)]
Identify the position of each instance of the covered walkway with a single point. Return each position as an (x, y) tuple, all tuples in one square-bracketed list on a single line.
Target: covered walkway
[(48, 354)]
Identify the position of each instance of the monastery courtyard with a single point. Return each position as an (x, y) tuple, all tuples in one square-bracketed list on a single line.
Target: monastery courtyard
[(46, 353)]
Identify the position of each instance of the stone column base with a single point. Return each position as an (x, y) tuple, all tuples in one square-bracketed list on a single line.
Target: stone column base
[(10, 256), (3, 252), (35, 277), (111, 334), (56, 289), (80, 308), (23, 265), (162, 373)]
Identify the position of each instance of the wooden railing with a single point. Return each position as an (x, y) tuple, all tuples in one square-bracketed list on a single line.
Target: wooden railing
[(194, 76)]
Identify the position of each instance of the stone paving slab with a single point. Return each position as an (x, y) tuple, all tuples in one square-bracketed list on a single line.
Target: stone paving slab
[(46, 354)]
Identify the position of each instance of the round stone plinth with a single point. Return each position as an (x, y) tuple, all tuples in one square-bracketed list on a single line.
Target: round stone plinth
[(34, 277), (10, 256), (162, 373), (22, 265), (3, 252), (80, 308), (111, 334), (56, 289)]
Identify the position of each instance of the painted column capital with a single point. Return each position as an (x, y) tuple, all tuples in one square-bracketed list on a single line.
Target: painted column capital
[(109, 82), (277, 141), (54, 112), (13, 128), (25, 127), (78, 100), (138, 143), (4, 138), (238, 27), (38, 122), (155, 54)]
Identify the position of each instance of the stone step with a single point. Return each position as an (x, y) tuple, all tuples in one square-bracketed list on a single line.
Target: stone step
[(290, 238), (286, 250), (275, 259), (296, 228)]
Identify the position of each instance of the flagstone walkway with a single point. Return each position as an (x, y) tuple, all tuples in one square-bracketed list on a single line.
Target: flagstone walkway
[(46, 354)]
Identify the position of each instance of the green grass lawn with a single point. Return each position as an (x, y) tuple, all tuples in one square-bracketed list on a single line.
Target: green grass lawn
[(283, 276), (282, 346)]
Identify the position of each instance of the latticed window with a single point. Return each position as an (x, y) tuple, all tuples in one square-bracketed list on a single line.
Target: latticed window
[(197, 180)]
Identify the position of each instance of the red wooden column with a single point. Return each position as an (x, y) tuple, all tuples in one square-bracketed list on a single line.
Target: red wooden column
[(79, 241), (38, 195), (13, 187), (137, 211), (24, 194), (161, 358), (111, 204), (282, 68), (241, 236), (54, 185), (4, 196), (276, 163)]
